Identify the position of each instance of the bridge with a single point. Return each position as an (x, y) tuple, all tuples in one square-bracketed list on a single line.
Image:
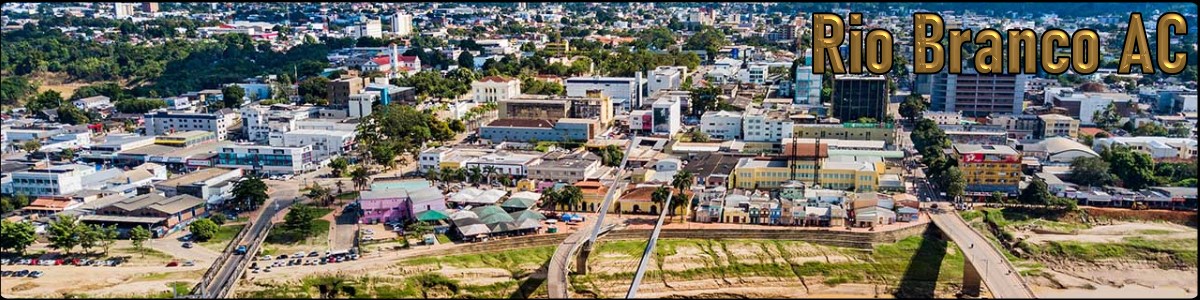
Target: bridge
[(641, 270), (982, 261), (218, 282)]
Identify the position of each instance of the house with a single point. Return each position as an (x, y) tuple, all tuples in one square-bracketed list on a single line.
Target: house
[(161, 214), (906, 214), (91, 103)]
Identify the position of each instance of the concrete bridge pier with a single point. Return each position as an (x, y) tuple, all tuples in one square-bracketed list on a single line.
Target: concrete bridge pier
[(581, 266), (971, 279)]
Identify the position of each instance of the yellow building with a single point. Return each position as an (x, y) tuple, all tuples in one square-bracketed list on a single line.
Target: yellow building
[(1059, 125), (772, 173), (185, 139), (988, 168), (885, 132)]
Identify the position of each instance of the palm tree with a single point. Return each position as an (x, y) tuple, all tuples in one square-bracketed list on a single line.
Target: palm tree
[(571, 196), (550, 198), (489, 171), (474, 174), (339, 184), (683, 182), (660, 196), (319, 194), (432, 175), (360, 178)]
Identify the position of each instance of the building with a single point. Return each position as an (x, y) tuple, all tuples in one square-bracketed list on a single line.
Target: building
[(534, 130), (856, 97), (757, 74), (213, 185), (402, 24), (185, 139), (808, 86), (92, 103), (976, 134), (326, 144), (666, 78), (771, 126), (988, 168), (885, 132), (398, 205), (1057, 150), (512, 163), (496, 47), (1084, 105), (360, 104), (51, 180), (164, 122), (722, 125), (258, 122), (773, 172), (666, 115), (124, 10), (944, 118), (150, 7), (534, 107), (1021, 127), (266, 160), (495, 88), (626, 92), (595, 105), (162, 215), (340, 90), (566, 167), (1156, 146), (1052, 125), (978, 95)]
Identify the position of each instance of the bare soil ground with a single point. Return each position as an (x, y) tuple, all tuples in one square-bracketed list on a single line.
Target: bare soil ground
[(1117, 232)]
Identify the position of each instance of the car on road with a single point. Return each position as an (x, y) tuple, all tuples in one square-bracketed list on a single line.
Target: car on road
[(298, 254), (36, 274), (282, 256), (187, 245), (241, 249), (314, 254), (266, 257)]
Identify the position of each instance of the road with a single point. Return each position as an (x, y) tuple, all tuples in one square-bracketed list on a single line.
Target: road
[(1001, 278), (283, 195)]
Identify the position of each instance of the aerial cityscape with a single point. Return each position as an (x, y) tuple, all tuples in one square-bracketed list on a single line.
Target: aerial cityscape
[(593, 150)]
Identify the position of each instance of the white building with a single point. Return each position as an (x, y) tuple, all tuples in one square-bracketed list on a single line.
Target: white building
[(496, 47), (402, 24), (505, 162), (722, 125), (266, 159), (766, 126), (495, 88), (1086, 104), (325, 143), (666, 78), (94, 102), (53, 180), (1157, 146), (755, 73), (944, 117), (626, 92), (123, 10), (259, 121), (666, 115), (164, 122), (359, 105)]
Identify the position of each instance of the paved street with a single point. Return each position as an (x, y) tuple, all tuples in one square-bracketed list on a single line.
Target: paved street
[(997, 273), (283, 194)]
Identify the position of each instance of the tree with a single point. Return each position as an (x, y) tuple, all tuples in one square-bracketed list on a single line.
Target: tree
[(314, 90), (704, 99), (31, 146), (250, 193), (67, 154), (457, 126), (660, 196), (138, 236), (16, 235), (360, 178), (550, 197), (997, 197), (1106, 119), (139, 106), (218, 218), (89, 237), (108, 236), (1180, 129), (1134, 168), (466, 60), (232, 96), (571, 196), (1150, 129), (682, 181), (203, 229), (338, 165), (63, 233), (1035, 194), (698, 136), (46, 100), (1091, 171), (319, 194), (952, 182), (69, 114), (913, 107)]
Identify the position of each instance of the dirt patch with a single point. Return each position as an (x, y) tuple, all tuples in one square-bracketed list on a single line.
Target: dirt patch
[(1116, 233), (1178, 217)]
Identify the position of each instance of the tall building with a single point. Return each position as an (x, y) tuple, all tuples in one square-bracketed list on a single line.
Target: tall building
[(977, 95), (163, 122), (626, 92), (402, 24), (124, 10), (666, 117), (666, 78), (858, 96), (988, 168), (150, 7), (373, 28), (808, 86), (340, 89)]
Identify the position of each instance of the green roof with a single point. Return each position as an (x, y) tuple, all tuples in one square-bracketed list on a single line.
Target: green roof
[(432, 215), (519, 203), (496, 218), (488, 210), (526, 215)]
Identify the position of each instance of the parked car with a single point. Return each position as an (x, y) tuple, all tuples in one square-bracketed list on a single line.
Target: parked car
[(187, 245), (253, 265), (298, 254), (35, 274), (282, 256), (314, 254), (189, 263), (6, 273), (21, 273), (266, 257), (173, 264)]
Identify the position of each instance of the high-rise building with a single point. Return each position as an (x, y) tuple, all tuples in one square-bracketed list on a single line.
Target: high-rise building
[(808, 86), (124, 10), (373, 28), (858, 96), (977, 95), (150, 7), (402, 24)]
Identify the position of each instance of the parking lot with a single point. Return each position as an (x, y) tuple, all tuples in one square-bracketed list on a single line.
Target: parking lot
[(267, 263)]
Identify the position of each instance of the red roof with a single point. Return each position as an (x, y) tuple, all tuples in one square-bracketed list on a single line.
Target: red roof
[(1092, 131), (382, 60), (407, 59)]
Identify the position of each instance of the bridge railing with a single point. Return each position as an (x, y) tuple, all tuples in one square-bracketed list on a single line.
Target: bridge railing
[(220, 261), (227, 288), (993, 248)]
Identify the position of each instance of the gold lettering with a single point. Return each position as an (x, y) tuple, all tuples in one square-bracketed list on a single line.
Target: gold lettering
[(926, 42), (988, 58), (957, 39), (1168, 62), (1051, 40), (826, 42), (879, 51), (1135, 45), (1085, 51), (1016, 40)]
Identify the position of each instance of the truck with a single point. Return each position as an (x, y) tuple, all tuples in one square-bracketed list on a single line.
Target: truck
[(241, 249)]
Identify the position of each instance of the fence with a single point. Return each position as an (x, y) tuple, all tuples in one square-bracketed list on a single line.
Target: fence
[(220, 261), (247, 258)]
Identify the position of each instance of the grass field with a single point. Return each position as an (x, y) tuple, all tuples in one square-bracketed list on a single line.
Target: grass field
[(221, 239)]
